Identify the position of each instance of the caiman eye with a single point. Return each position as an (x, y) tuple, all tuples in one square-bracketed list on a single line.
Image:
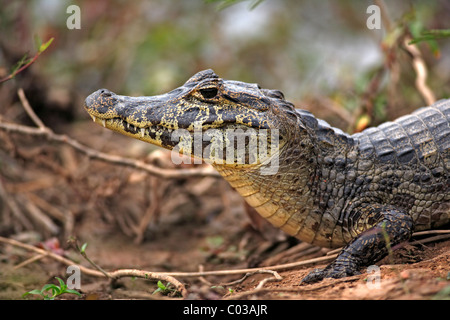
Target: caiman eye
[(208, 93)]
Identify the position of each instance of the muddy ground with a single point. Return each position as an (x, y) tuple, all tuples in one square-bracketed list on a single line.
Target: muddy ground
[(130, 219)]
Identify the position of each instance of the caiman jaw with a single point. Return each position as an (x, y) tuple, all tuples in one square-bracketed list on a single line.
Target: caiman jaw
[(119, 113)]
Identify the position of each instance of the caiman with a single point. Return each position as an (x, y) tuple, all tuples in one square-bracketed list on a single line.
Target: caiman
[(367, 192)]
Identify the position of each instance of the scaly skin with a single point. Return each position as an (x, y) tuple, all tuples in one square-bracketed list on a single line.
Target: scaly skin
[(329, 188)]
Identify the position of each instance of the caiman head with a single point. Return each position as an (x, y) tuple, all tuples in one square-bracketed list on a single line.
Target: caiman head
[(206, 107), (278, 149)]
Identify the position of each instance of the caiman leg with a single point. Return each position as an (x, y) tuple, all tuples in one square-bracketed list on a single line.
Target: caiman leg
[(370, 246)]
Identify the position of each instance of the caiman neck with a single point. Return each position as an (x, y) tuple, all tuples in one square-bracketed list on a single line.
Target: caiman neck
[(283, 196), (288, 198)]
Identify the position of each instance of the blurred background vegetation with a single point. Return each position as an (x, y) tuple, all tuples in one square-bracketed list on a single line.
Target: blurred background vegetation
[(319, 53)]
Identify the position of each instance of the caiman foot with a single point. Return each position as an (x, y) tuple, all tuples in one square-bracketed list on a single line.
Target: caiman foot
[(331, 271), (370, 246)]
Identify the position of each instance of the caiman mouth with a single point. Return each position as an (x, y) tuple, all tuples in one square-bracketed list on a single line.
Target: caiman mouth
[(150, 118), (119, 113)]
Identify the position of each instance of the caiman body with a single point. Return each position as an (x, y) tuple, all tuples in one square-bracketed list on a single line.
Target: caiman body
[(328, 188)]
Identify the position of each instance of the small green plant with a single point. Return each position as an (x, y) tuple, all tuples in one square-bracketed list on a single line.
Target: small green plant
[(50, 291), (163, 289), (26, 61)]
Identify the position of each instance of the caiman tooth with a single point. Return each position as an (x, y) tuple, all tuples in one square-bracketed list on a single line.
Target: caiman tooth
[(104, 123), (142, 132), (93, 118)]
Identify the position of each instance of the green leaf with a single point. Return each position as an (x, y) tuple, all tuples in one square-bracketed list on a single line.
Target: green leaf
[(35, 291), (54, 288), (49, 286), (83, 247), (161, 286), (431, 35), (44, 46), (73, 291), (62, 284), (19, 64), (156, 291)]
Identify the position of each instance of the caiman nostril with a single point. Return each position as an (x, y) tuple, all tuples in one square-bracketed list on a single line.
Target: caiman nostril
[(105, 92)]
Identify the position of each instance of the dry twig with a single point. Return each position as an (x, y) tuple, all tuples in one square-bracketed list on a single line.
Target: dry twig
[(276, 277), (421, 71), (26, 105), (29, 261)]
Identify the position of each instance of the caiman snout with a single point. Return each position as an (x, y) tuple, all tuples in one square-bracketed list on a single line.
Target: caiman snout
[(96, 97), (101, 103)]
